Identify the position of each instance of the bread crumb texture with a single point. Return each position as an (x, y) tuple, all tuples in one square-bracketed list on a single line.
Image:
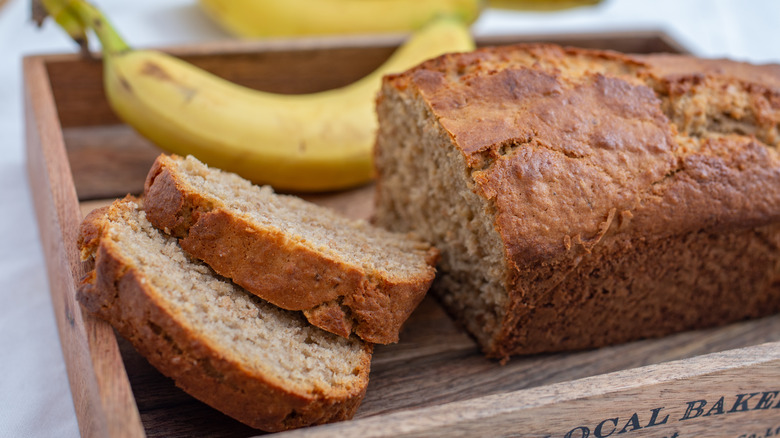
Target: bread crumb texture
[(373, 248), (259, 353), (347, 276)]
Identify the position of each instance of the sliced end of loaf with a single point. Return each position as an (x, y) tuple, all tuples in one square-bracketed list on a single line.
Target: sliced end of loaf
[(260, 364), (418, 166), (348, 276)]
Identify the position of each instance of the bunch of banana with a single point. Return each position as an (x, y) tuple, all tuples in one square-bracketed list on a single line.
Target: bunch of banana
[(313, 142), (263, 18)]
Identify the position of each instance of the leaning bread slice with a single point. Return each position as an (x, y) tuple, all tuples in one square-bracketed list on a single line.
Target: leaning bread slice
[(259, 364), (346, 276)]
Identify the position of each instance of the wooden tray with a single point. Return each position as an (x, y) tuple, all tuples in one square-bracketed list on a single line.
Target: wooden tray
[(723, 381)]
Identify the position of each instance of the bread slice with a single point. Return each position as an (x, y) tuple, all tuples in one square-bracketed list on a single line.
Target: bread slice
[(346, 276), (259, 364), (582, 198)]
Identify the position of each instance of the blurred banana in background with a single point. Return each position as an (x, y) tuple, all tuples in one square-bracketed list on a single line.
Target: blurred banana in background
[(312, 142), (541, 5), (264, 18)]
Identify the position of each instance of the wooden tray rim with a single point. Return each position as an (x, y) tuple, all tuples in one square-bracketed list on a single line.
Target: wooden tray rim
[(99, 383), (237, 47)]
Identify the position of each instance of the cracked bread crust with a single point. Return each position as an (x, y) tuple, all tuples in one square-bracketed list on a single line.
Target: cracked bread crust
[(334, 294), (119, 291), (579, 159)]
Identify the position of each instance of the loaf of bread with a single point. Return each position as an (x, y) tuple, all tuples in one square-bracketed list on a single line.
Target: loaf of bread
[(583, 198), (346, 276), (259, 364)]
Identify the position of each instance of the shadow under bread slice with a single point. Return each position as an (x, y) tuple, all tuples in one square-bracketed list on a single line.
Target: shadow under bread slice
[(264, 366), (346, 276)]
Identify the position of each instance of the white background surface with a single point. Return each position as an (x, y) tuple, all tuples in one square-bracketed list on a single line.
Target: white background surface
[(35, 398)]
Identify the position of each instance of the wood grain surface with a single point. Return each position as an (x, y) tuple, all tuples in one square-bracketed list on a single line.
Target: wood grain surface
[(101, 392), (435, 381), (722, 394)]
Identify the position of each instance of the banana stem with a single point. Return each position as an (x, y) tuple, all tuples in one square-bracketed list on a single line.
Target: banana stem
[(70, 23), (92, 18)]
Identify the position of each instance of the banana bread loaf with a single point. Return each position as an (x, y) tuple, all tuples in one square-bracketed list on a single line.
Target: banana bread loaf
[(583, 198), (346, 276), (262, 365)]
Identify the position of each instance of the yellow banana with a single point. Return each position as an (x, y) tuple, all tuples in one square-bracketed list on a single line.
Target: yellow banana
[(262, 18), (313, 142)]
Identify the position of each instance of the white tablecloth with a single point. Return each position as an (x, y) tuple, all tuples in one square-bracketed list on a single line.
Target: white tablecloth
[(35, 399)]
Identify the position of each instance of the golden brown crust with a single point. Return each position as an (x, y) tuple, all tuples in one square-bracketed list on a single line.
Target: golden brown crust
[(89, 232), (585, 157), (117, 292), (293, 277), (331, 315), (671, 66), (335, 295), (646, 288)]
